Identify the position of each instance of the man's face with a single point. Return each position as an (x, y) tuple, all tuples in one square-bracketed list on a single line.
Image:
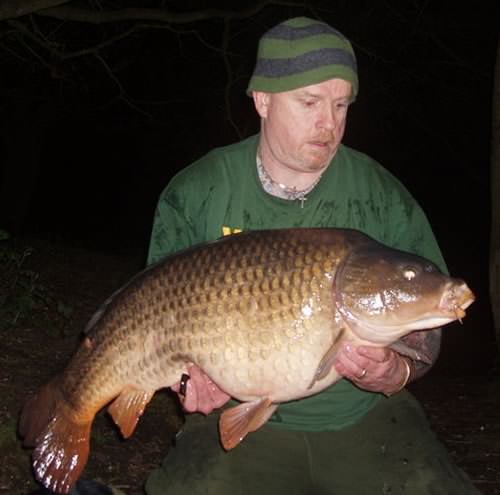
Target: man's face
[(303, 128)]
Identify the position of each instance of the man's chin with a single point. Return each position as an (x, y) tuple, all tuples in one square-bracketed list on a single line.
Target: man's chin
[(319, 157), (318, 163)]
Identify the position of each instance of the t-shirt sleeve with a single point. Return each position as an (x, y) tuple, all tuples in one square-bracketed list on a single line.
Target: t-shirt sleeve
[(172, 230), (180, 219)]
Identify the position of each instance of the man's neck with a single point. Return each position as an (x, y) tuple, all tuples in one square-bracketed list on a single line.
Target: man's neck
[(284, 174)]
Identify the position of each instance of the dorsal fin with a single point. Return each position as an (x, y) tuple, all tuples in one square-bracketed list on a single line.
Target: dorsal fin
[(108, 303)]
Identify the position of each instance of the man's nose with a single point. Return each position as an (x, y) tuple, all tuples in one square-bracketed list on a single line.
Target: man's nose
[(328, 119)]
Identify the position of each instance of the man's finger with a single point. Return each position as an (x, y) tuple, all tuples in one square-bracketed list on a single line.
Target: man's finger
[(379, 354)]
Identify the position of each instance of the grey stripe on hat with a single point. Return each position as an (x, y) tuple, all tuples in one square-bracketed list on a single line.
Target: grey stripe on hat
[(281, 67), (285, 32)]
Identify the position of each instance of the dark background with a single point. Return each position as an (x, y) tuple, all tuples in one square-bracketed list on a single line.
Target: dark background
[(92, 131)]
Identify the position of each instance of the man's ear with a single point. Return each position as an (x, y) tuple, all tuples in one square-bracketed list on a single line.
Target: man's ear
[(261, 101)]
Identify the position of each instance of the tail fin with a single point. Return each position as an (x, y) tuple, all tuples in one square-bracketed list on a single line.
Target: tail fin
[(61, 446)]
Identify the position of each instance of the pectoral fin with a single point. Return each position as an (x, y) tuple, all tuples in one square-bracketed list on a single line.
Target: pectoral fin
[(326, 363), (235, 423), (128, 407), (417, 355)]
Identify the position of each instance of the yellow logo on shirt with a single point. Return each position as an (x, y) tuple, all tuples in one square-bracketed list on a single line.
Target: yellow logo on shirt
[(228, 230)]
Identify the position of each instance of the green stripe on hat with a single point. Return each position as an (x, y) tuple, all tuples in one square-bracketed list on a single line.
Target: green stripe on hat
[(276, 48), (314, 76), (300, 52)]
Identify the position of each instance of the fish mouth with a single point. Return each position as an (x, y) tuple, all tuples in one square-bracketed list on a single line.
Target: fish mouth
[(456, 299)]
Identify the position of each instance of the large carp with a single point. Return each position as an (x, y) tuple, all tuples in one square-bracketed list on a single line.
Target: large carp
[(261, 313)]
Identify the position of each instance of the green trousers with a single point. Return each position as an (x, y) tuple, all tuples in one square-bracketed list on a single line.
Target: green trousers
[(391, 451)]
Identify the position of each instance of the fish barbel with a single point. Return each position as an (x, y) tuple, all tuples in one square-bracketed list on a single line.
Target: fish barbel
[(261, 313)]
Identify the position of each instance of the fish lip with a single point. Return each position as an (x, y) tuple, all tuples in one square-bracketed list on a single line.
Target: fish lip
[(456, 298)]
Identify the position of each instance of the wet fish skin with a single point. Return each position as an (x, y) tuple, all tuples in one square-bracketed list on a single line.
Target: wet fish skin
[(262, 313)]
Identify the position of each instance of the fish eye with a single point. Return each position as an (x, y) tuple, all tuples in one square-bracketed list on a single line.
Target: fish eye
[(409, 273)]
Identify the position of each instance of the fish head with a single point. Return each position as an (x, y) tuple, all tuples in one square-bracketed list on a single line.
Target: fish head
[(383, 294)]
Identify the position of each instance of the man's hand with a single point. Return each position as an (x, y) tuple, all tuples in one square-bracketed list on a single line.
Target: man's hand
[(198, 393), (377, 369)]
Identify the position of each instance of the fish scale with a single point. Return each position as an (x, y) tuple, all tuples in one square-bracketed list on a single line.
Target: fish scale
[(261, 313)]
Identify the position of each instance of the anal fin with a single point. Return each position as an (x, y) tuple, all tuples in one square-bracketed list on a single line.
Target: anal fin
[(128, 407), (235, 423)]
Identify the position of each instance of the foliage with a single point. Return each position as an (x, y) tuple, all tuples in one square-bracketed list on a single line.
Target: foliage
[(24, 299)]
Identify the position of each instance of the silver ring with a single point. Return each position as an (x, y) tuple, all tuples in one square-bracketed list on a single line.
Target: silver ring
[(363, 374)]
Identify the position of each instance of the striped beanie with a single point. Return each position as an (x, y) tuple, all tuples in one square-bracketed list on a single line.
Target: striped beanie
[(299, 52)]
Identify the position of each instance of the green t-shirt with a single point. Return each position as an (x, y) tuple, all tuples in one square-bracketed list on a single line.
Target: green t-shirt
[(221, 193)]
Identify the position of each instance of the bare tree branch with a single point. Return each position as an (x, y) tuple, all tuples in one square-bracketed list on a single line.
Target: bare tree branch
[(122, 93), (69, 13), (14, 54), (32, 37), (41, 41), (11, 9)]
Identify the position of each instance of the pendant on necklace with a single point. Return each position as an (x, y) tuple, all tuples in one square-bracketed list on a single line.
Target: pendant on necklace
[(280, 190)]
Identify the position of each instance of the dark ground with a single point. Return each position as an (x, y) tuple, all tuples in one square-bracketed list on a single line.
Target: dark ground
[(46, 299)]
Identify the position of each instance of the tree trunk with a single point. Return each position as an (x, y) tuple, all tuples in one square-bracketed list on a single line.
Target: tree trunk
[(495, 201)]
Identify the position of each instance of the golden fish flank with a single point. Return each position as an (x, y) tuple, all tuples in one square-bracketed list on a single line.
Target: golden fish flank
[(262, 313)]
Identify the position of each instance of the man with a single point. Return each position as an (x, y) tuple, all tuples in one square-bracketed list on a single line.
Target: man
[(365, 434)]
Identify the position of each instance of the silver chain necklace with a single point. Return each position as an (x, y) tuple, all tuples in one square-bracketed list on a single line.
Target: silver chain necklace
[(280, 190)]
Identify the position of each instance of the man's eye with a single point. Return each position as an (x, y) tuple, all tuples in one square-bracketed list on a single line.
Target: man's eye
[(309, 103)]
